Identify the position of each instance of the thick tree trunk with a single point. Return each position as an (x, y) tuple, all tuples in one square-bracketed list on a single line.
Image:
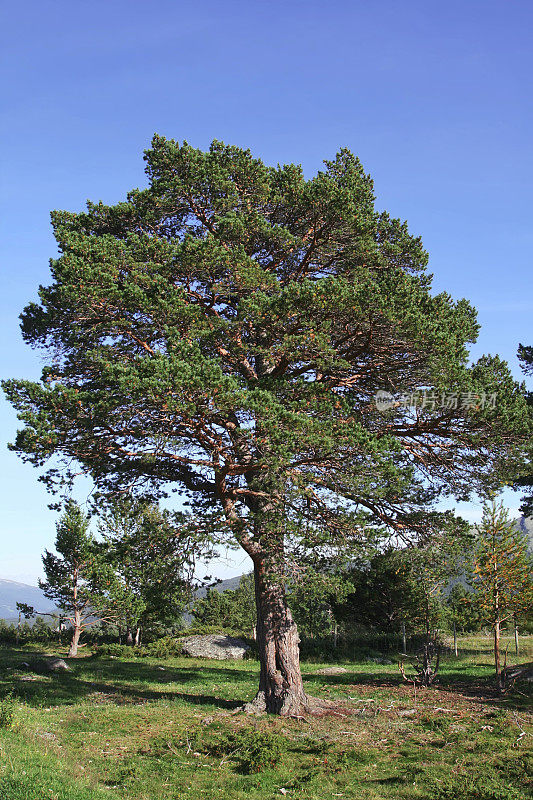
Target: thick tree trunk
[(280, 684), (73, 651), (129, 637)]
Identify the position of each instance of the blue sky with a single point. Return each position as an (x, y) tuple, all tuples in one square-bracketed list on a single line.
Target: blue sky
[(435, 98)]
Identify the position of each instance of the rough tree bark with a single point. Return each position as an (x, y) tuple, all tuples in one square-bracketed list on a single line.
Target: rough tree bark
[(73, 650), (280, 683)]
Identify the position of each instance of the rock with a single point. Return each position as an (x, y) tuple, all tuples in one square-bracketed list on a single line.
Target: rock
[(215, 645), (50, 665), (407, 712), (331, 671)]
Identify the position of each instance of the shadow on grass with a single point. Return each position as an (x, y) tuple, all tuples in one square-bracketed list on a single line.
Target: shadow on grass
[(115, 681), (476, 688)]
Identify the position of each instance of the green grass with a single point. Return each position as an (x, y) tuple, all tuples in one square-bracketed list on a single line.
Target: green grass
[(165, 730)]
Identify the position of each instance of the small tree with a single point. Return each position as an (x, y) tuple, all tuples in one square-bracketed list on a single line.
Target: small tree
[(502, 574), (153, 552), (78, 579)]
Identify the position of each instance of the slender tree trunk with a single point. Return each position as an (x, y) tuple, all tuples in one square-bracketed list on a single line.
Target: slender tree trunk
[(137, 637), (280, 684), (73, 651), (129, 637), (455, 640), (404, 639), (497, 664), (515, 622)]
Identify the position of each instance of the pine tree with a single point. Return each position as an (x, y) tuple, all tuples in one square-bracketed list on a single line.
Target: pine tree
[(525, 475), (154, 552), (78, 579), (503, 576), (224, 333)]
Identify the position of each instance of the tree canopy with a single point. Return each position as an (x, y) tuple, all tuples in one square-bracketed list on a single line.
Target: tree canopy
[(224, 332)]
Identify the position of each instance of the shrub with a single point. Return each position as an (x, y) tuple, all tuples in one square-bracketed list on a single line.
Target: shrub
[(256, 750), (166, 647), (115, 650), (8, 710), (476, 787)]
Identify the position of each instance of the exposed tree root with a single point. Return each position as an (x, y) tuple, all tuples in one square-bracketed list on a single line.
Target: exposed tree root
[(296, 707)]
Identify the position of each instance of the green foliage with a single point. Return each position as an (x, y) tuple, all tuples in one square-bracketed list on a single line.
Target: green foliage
[(257, 750), (250, 316), (399, 587), (153, 552), (116, 650), (197, 629), (524, 477), (311, 598), (463, 609), (8, 711), (80, 580), (476, 787), (503, 568), (229, 610), (166, 647)]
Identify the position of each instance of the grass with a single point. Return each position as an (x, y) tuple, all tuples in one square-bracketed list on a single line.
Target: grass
[(139, 729)]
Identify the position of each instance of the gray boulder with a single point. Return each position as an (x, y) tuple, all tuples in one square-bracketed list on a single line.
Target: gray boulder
[(50, 665), (215, 645)]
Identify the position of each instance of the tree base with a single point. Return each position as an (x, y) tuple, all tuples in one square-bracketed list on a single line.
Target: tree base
[(293, 705)]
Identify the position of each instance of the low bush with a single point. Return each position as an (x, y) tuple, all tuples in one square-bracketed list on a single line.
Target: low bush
[(116, 651), (476, 787), (258, 750), (8, 711), (166, 647)]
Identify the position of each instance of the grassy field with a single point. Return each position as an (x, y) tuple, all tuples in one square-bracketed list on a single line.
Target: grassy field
[(167, 729)]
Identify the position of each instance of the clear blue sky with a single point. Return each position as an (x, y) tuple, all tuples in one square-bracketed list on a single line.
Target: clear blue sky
[(435, 98)]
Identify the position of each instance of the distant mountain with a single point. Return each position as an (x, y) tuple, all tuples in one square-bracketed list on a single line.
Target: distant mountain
[(526, 526), (229, 585), (12, 592)]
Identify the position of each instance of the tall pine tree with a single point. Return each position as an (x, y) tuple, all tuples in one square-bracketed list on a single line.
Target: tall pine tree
[(224, 332)]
